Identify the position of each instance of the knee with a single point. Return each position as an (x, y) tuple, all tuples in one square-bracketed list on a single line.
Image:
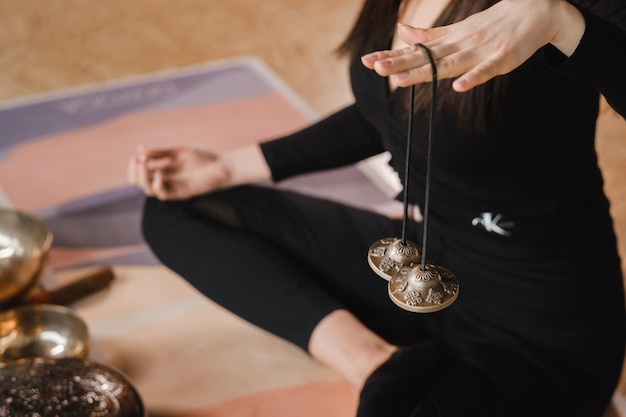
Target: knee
[(157, 217), (164, 221)]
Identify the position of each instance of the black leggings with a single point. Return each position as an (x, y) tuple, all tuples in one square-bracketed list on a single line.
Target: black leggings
[(284, 261), (280, 260)]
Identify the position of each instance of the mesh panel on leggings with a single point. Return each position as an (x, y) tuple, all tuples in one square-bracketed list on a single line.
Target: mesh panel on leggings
[(218, 210)]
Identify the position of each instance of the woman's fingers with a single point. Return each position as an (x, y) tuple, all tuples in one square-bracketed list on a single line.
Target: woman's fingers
[(386, 61), (157, 151), (412, 35), (413, 65), (484, 45), (176, 172), (159, 187), (144, 167), (391, 60), (473, 78), (166, 163), (140, 174), (475, 62), (143, 178)]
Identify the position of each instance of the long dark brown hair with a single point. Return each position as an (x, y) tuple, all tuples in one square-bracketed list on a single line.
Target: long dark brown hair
[(476, 109)]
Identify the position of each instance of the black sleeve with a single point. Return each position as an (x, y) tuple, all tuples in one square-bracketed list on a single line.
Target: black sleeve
[(599, 59), (340, 139)]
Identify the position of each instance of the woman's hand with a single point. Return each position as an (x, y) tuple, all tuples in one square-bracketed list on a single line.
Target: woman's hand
[(181, 172), (177, 172), (482, 46)]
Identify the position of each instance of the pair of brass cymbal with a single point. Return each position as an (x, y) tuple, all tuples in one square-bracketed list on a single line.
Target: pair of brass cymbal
[(415, 284)]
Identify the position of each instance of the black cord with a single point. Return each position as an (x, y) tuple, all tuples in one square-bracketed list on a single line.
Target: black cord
[(407, 163), (409, 141)]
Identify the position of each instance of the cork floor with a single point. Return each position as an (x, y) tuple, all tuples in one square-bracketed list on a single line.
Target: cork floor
[(51, 46)]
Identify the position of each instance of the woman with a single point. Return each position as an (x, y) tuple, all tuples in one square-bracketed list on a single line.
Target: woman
[(517, 212)]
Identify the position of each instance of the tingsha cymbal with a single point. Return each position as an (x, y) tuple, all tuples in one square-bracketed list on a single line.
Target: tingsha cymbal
[(423, 289), (414, 283), (387, 256)]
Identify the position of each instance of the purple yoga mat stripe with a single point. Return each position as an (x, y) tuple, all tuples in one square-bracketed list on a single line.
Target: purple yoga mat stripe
[(72, 109)]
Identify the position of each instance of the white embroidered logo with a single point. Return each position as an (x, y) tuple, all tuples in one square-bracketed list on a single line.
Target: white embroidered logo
[(492, 223)]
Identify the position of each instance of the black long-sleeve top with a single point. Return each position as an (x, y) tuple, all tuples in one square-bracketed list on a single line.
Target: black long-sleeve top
[(539, 163)]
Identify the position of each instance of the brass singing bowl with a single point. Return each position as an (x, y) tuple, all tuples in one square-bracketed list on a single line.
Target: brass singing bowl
[(68, 387), (25, 241), (42, 331)]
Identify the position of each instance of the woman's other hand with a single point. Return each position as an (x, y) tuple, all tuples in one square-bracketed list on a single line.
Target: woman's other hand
[(482, 46), (176, 172), (181, 172)]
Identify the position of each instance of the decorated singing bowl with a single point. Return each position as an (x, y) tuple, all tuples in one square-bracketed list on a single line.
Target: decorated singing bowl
[(68, 387), (25, 241), (42, 330)]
